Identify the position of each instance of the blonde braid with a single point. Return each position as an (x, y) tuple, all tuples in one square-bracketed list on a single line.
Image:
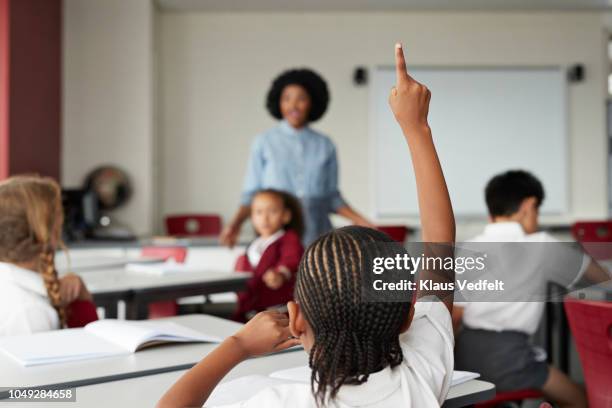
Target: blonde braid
[(51, 280)]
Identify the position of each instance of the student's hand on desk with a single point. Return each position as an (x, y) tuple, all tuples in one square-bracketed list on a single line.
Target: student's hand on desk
[(265, 333), (409, 100), (273, 279), (73, 288)]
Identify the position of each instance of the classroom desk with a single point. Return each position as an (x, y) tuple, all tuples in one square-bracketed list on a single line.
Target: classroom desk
[(85, 264), (146, 391), (137, 289), (149, 361)]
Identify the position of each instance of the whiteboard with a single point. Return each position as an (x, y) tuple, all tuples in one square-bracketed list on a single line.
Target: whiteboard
[(484, 121)]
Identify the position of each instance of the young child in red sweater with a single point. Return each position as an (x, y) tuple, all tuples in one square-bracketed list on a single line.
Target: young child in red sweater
[(273, 257)]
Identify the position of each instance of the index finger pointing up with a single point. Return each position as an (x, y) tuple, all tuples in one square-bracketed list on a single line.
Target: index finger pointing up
[(400, 65)]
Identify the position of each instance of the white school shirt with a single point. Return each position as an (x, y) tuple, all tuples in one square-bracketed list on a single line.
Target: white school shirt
[(24, 305), (259, 246), (422, 380), (517, 316)]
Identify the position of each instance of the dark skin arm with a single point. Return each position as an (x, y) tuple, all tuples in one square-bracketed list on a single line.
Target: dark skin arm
[(229, 235), (267, 332), (409, 101)]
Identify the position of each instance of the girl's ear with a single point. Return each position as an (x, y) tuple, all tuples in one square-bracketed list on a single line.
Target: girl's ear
[(296, 319)]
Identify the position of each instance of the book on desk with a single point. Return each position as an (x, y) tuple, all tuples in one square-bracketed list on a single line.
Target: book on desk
[(99, 339)]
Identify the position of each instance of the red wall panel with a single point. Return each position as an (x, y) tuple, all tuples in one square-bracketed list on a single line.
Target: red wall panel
[(35, 86), (4, 88)]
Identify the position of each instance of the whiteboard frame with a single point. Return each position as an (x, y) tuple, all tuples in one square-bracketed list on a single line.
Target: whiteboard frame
[(374, 84)]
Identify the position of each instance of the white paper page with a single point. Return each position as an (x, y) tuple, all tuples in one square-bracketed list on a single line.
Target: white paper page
[(241, 389), (169, 267), (131, 334), (58, 346), (460, 377)]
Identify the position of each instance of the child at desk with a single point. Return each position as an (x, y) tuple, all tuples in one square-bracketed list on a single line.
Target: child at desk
[(32, 297), (273, 257), (383, 354), (494, 339)]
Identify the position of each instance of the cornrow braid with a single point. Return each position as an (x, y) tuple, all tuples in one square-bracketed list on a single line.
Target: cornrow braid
[(52, 284), (353, 338)]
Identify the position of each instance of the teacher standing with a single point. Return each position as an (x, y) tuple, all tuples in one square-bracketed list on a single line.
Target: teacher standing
[(295, 158)]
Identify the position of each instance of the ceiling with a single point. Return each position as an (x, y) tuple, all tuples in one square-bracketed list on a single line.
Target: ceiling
[(383, 5)]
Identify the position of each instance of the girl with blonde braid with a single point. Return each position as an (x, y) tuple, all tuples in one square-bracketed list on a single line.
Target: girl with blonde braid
[(32, 296)]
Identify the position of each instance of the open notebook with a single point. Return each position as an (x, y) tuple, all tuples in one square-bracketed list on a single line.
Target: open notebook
[(102, 338), (243, 388)]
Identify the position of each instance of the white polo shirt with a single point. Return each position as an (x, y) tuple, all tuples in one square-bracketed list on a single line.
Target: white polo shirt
[(537, 271), (422, 379), (24, 305)]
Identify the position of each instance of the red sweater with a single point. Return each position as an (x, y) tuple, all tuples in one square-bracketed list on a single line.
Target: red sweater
[(285, 251)]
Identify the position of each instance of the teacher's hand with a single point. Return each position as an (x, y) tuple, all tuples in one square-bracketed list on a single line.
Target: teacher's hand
[(229, 235)]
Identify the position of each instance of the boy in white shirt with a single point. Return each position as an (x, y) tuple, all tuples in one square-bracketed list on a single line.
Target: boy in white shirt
[(494, 339)]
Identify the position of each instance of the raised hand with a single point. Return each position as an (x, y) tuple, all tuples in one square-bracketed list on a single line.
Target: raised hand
[(409, 100)]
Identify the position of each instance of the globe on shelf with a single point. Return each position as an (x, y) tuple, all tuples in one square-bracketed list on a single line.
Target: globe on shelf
[(112, 189)]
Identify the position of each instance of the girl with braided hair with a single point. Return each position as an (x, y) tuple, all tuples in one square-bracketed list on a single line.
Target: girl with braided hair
[(361, 353), (32, 296)]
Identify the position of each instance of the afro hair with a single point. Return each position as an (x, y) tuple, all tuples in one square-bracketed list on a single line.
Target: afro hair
[(310, 81)]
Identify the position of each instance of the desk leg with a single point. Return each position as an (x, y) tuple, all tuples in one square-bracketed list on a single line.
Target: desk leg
[(110, 310), (135, 310), (548, 332), (564, 341)]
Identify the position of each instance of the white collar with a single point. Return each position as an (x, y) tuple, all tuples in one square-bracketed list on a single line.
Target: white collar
[(379, 387), (266, 242), (25, 278), (259, 246), (507, 228)]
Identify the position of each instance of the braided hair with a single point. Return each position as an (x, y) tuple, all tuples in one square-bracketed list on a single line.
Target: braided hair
[(353, 338), (30, 228)]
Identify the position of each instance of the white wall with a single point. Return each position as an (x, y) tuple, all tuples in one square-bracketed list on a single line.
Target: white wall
[(215, 69), (108, 97)]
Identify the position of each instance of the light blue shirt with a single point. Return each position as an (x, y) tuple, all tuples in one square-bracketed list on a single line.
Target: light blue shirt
[(302, 162)]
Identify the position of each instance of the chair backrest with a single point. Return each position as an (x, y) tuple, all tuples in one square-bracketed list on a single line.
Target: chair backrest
[(396, 232), (595, 237), (592, 231), (165, 252), (591, 325), (194, 225)]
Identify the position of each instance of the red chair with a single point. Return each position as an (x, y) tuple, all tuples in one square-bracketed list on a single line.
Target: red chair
[(164, 308), (396, 232), (80, 312), (591, 324), (194, 225), (510, 396), (595, 237)]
